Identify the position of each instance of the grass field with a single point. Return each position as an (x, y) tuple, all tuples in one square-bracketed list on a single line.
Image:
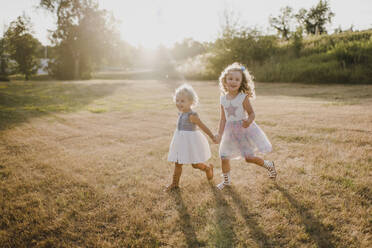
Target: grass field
[(84, 164)]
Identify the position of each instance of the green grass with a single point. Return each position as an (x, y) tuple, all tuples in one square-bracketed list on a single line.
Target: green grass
[(21, 100)]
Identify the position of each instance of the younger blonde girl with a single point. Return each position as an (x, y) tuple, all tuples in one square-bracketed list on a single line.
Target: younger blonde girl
[(189, 145)]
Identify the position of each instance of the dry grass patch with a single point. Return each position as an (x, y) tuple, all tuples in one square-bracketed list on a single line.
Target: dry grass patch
[(90, 173)]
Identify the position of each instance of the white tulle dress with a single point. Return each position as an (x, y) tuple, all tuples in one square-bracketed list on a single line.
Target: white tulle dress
[(237, 141), (189, 145)]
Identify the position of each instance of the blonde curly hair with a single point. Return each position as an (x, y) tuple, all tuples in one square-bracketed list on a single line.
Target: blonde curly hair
[(189, 91), (247, 85)]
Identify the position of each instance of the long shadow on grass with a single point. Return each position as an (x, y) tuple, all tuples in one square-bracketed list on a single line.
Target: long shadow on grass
[(257, 232), (20, 101), (185, 219), (313, 226), (224, 235)]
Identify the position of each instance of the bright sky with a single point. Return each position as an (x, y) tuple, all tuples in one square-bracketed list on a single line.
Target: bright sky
[(153, 22)]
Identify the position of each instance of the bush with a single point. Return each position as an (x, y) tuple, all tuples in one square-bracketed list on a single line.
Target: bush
[(338, 58)]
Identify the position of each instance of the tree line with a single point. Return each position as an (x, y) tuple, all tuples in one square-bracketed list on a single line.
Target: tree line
[(86, 38), (301, 51)]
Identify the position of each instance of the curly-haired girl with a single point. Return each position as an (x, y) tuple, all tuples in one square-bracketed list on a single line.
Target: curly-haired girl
[(239, 136)]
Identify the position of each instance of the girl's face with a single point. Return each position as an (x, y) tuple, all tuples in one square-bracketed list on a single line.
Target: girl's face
[(233, 81), (183, 103)]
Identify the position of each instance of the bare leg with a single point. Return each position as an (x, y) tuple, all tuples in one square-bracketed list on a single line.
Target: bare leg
[(208, 169), (200, 166), (225, 165), (176, 177), (255, 160)]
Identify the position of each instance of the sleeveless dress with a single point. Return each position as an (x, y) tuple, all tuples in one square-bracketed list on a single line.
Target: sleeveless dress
[(189, 145), (237, 141)]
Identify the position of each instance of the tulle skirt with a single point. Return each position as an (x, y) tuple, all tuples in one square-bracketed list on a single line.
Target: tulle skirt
[(189, 147), (239, 142)]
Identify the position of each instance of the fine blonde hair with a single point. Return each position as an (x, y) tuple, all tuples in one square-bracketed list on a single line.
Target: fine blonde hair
[(247, 85), (189, 92)]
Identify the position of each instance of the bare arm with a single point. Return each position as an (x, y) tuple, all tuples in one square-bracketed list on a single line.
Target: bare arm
[(195, 119), (248, 108), (221, 126)]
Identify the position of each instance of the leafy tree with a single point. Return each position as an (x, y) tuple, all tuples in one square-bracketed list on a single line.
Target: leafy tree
[(338, 30), (164, 62), (248, 46), (314, 20), (3, 62), (83, 36), (282, 23), (297, 41), (230, 26), (186, 49), (22, 46), (122, 55)]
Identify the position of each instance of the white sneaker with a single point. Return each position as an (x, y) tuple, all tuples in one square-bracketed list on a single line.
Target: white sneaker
[(226, 181), (222, 185), (270, 166)]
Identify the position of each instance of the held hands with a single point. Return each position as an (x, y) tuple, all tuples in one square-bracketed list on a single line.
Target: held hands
[(246, 123), (216, 139)]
